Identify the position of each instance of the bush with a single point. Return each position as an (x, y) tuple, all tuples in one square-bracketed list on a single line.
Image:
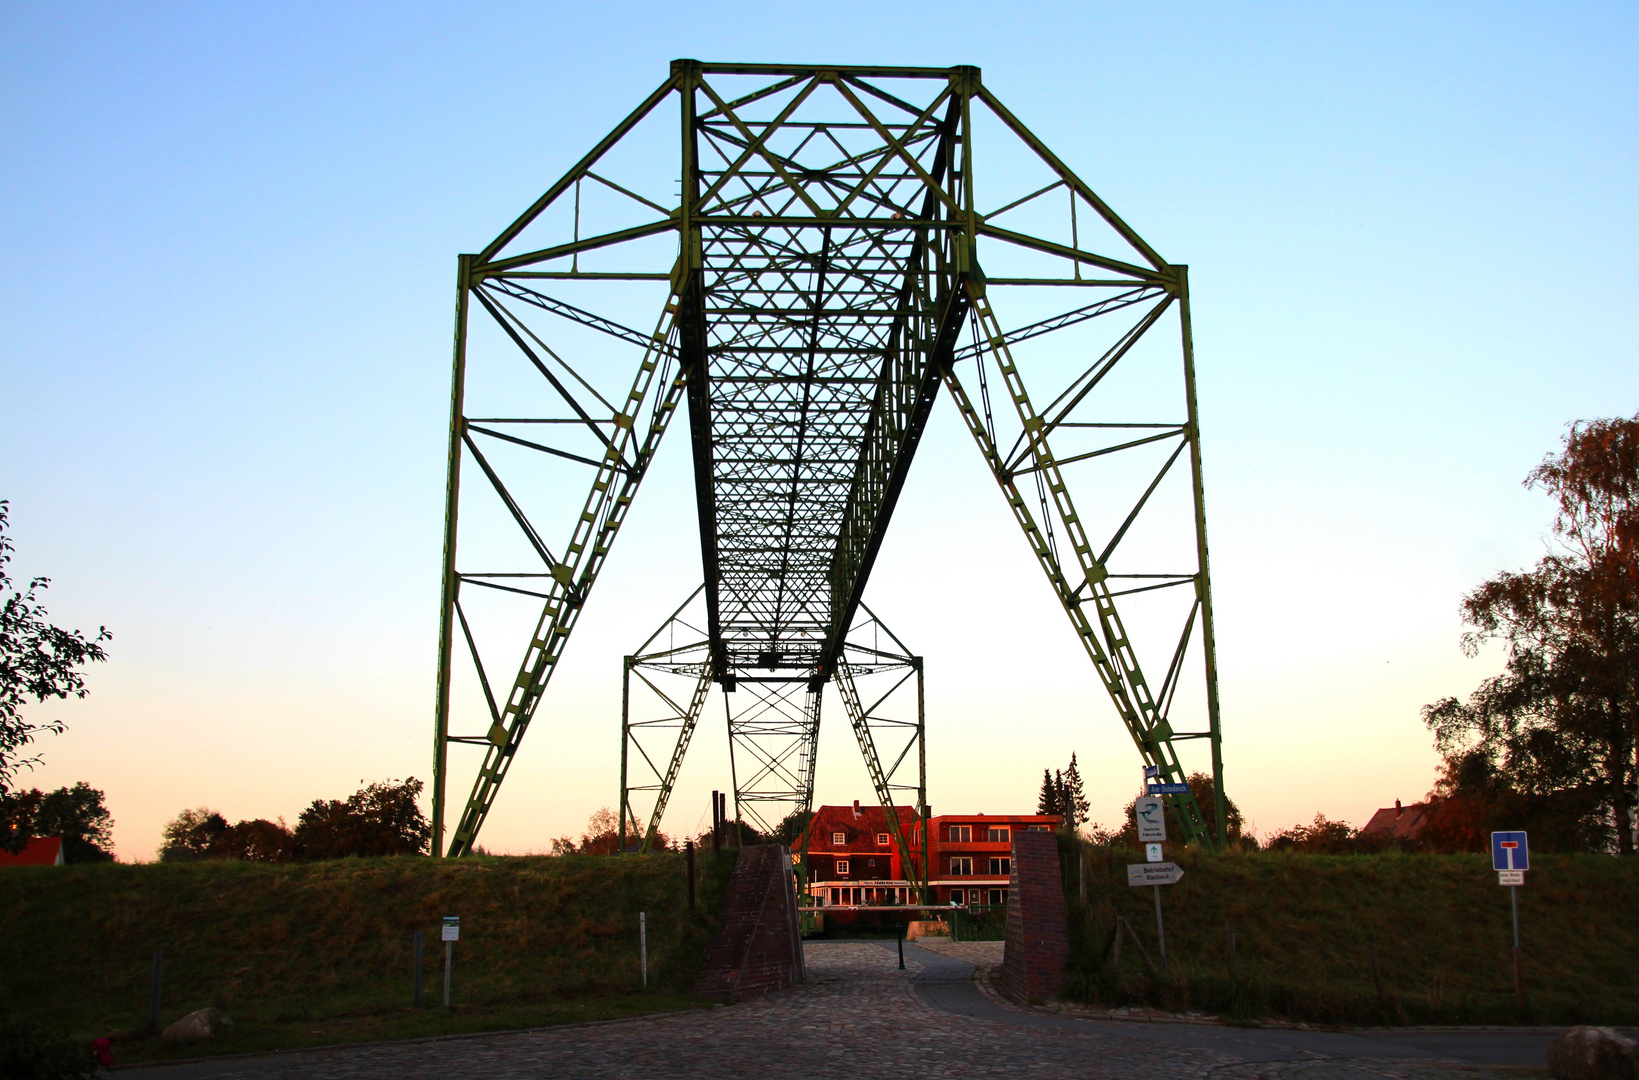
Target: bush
[(29, 1051)]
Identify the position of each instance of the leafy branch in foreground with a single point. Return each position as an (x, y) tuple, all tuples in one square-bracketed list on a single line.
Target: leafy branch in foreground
[(36, 659)]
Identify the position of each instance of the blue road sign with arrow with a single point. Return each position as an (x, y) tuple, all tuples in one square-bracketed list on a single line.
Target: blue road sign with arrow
[(1509, 851)]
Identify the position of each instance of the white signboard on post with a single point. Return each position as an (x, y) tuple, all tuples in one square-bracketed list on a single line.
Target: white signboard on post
[(1162, 873), (1152, 819), (452, 928)]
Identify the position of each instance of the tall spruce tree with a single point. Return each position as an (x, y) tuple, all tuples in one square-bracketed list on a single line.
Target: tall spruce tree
[(1051, 799), (1074, 798)]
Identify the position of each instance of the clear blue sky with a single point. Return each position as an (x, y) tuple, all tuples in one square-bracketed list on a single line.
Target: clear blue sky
[(229, 236)]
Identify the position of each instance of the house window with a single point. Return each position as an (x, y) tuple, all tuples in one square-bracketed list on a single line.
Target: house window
[(842, 868), (839, 838), (961, 834), (1038, 828), (881, 839), (958, 896), (916, 838), (1000, 835), (1001, 866), (961, 866), (998, 896)]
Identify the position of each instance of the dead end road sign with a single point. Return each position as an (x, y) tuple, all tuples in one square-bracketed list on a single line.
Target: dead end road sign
[(1509, 851), (1163, 873)]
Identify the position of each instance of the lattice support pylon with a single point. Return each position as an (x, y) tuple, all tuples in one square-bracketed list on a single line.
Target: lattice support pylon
[(812, 237)]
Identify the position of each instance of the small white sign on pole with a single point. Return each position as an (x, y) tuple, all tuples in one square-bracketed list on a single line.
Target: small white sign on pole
[(1152, 852), (1510, 877), (452, 928), (1152, 819)]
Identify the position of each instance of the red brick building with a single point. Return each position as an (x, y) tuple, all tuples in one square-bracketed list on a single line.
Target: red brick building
[(852, 859)]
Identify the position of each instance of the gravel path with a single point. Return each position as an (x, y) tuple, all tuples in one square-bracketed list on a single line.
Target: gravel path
[(860, 1016)]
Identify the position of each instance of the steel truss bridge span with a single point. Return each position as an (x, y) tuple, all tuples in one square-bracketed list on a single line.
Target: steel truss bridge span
[(789, 259)]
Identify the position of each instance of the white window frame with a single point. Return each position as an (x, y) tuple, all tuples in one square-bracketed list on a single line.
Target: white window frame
[(961, 866), (882, 839), (839, 838), (1001, 864), (999, 834), (958, 896), (961, 834), (842, 867), (998, 896)]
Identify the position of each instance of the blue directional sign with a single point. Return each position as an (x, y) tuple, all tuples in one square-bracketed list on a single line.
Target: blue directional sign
[(1509, 851), (1172, 789)]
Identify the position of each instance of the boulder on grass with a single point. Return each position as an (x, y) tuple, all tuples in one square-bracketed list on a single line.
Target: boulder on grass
[(1593, 1053), (197, 1026)]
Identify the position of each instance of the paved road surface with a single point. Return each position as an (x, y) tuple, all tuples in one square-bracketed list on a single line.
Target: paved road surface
[(858, 1016)]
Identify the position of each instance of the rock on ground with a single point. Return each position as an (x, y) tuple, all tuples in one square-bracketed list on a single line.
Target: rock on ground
[(197, 1026), (1593, 1053)]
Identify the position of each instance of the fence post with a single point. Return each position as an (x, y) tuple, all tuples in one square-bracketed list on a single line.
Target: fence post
[(418, 969), (1377, 978), (643, 944), (154, 993), (1231, 956)]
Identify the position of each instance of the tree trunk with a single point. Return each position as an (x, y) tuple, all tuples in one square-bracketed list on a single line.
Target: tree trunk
[(1618, 772)]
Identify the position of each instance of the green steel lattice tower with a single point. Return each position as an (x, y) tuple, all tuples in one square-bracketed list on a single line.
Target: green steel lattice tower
[(810, 246)]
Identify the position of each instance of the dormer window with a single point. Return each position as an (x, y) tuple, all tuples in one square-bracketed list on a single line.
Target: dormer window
[(881, 839), (839, 838)]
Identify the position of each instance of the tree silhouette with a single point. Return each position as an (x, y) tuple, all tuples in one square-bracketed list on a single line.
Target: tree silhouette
[(37, 660)]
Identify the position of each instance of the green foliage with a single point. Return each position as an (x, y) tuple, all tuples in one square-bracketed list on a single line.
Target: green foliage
[(78, 814), (1305, 927), (205, 834), (37, 660), (1552, 738), (31, 1051), (378, 819), (1062, 794), (318, 952)]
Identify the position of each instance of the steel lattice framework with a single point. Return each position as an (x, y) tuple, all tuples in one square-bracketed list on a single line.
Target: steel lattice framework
[(817, 275)]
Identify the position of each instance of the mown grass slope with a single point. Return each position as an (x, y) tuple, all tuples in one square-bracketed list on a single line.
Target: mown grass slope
[(1305, 927), (321, 952)]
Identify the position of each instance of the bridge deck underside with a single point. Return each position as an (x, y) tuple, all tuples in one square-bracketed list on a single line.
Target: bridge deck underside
[(801, 326)]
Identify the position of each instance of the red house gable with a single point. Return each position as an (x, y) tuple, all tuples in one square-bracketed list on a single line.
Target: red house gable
[(861, 827), (41, 851)]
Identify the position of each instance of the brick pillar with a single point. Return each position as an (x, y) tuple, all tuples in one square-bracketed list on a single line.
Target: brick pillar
[(1038, 935), (757, 946)]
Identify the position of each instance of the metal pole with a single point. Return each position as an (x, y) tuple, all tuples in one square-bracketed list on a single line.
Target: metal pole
[(902, 946), (154, 995), (688, 856), (922, 778), (452, 583), (449, 956), (1160, 929), (1519, 968), (625, 709), (643, 944), (1203, 581), (1231, 954), (418, 969)]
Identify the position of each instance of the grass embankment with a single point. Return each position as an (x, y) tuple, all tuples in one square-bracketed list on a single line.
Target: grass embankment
[(318, 953), (1305, 927)]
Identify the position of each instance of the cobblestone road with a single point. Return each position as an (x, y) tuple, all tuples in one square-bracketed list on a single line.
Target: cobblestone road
[(857, 1016)]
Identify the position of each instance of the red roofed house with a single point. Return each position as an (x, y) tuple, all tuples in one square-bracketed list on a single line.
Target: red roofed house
[(41, 851), (1397, 822), (852, 859)]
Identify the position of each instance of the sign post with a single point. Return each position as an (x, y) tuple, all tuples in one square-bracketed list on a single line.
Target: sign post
[(451, 934), (1511, 857), (1151, 819)]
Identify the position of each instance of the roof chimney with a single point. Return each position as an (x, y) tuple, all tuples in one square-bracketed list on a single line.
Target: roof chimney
[(856, 808), (1397, 810)]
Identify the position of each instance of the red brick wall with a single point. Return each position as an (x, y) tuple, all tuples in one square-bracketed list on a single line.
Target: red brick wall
[(1038, 935), (757, 946)]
